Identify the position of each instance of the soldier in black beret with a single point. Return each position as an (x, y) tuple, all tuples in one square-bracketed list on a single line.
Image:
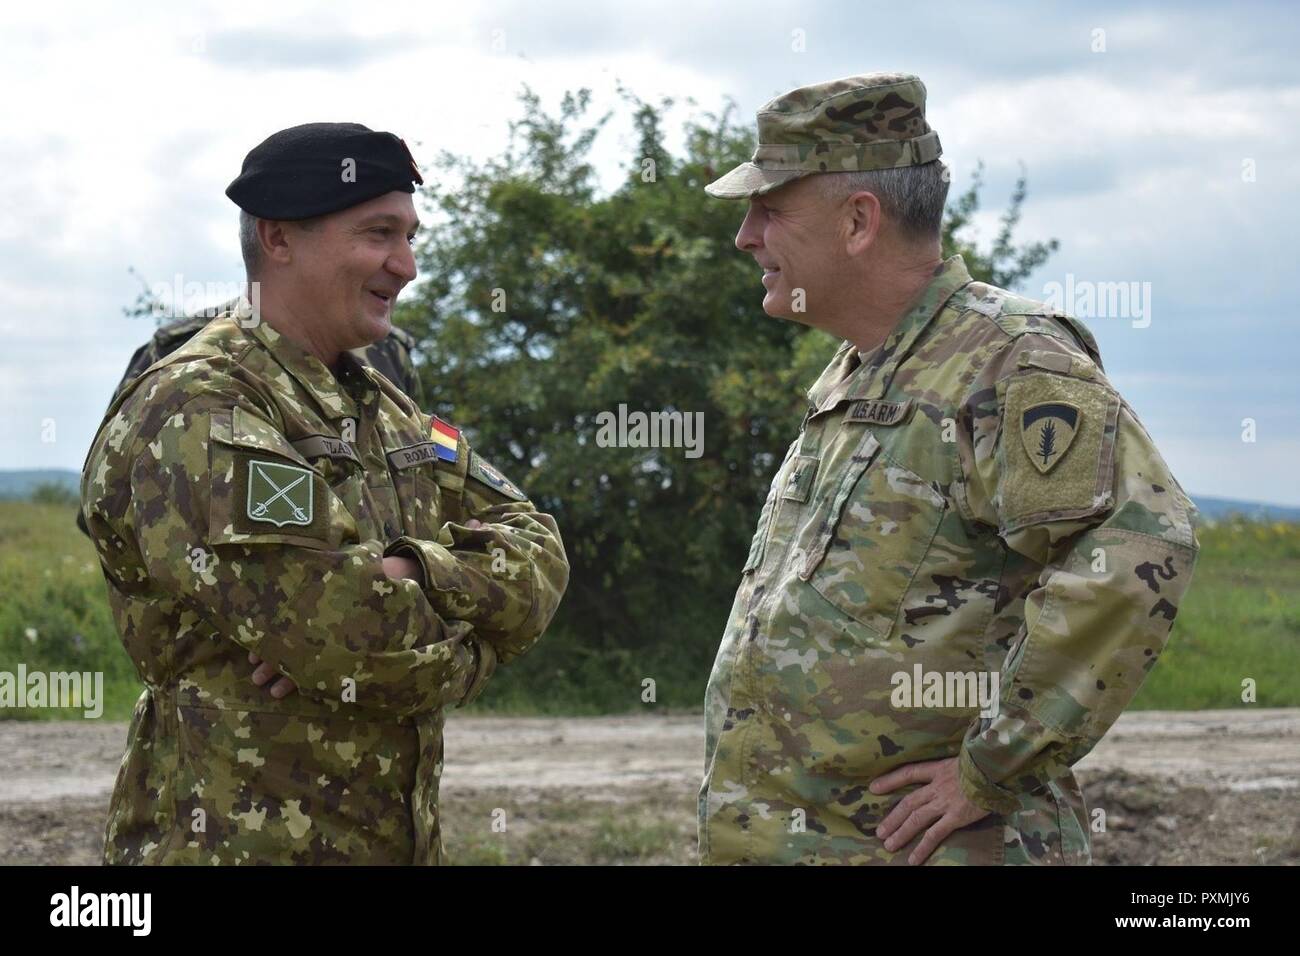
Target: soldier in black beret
[(289, 176), (298, 175), (306, 569)]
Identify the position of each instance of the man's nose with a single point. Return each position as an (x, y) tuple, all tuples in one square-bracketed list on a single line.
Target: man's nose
[(402, 264), (750, 236)]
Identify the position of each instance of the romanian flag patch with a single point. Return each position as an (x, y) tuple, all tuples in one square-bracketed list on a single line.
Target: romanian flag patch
[(445, 438)]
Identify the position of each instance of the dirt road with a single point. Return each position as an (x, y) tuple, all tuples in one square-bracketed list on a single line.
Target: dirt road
[(1214, 787)]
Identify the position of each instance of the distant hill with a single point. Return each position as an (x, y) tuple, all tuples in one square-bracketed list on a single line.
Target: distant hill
[(1216, 509), (20, 484)]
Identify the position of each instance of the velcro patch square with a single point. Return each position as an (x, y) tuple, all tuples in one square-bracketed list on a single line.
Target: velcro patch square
[(1056, 455)]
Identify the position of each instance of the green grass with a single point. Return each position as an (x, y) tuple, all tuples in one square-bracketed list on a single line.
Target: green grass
[(562, 677), (54, 612), (557, 828), (1240, 620)]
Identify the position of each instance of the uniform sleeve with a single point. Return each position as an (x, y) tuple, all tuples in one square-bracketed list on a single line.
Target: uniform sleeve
[(505, 578), (141, 359), (1056, 461), (229, 520)]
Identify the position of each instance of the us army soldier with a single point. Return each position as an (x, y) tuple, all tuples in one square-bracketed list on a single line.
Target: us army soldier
[(260, 495), (969, 503)]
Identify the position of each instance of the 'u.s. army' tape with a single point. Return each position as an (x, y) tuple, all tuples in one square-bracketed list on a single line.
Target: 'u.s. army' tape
[(875, 411)]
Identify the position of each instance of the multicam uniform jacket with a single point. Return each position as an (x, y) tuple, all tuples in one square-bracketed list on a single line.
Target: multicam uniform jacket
[(241, 498), (974, 497)]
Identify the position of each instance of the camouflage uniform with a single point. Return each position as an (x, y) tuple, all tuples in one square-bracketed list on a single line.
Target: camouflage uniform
[(241, 498), (974, 496), (391, 356)]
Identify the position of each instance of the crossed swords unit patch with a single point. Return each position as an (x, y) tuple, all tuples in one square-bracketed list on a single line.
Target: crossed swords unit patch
[(279, 494)]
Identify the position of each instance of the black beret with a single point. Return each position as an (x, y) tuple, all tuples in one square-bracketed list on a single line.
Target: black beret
[(304, 171)]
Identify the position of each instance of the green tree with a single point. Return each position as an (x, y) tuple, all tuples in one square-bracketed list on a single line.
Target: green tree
[(546, 303), (1004, 264)]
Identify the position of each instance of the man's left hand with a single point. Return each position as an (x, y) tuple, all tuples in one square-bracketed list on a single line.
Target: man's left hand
[(264, 671), (939, 805)]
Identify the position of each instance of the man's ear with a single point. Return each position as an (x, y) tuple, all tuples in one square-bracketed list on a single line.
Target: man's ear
[(864, 220), (275, 241)]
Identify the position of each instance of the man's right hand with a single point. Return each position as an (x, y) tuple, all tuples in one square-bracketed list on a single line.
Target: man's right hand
[(398, 568)]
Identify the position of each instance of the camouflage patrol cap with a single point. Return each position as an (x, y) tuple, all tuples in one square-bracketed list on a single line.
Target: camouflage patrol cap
[(871, 121)]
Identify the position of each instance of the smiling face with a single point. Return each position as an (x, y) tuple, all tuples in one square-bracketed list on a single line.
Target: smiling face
[(793, 234), (348, 267)]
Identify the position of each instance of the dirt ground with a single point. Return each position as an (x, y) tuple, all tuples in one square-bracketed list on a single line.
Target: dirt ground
[(1208, 787)]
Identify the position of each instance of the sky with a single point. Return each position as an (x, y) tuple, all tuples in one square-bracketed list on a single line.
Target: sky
[(1159, 144)]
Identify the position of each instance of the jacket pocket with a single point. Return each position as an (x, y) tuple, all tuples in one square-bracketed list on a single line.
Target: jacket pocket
[(868, 540), (759, 543)]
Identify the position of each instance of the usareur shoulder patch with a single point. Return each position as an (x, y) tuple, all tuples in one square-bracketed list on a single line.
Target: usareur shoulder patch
[(1056, 455), (1046, 431)]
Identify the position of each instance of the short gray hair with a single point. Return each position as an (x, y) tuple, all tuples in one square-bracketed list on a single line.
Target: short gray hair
[(912, 196), (249, 245)]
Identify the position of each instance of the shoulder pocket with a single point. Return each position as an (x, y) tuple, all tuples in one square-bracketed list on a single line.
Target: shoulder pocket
[(1056, 455), (262, 489), (871, 536)]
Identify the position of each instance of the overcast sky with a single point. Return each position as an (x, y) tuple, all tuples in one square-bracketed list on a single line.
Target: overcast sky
[(1160, 147)]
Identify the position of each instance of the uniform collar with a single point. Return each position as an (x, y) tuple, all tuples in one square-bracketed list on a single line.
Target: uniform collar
[(846, 378), (337, 396)]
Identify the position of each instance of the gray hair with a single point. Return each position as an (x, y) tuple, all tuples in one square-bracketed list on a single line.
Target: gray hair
[(912, 196), (249, 245)]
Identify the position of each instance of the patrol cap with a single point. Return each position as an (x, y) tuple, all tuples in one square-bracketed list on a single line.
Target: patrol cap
[(303, 171), (870, 121)]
